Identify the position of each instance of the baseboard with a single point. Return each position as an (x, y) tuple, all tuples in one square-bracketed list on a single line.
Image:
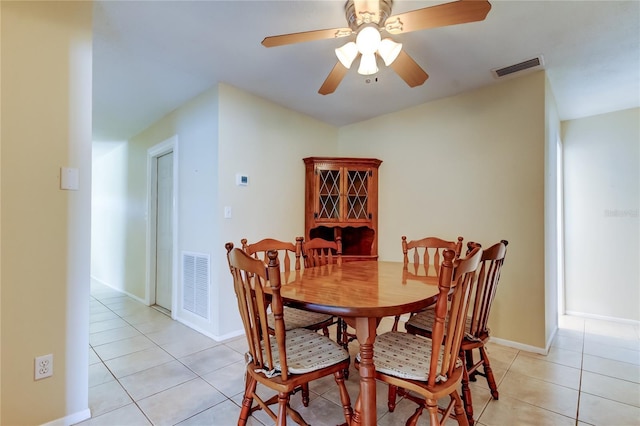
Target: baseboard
[(133, 296), (231, 335), (71, 419), (215, 337), (602, 318), (550, 340), (520, 346)]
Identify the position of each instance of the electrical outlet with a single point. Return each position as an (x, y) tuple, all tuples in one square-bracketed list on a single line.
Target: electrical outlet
[(44, 366)]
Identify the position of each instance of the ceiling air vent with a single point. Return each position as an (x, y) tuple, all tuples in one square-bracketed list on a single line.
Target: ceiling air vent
[(528, 65)]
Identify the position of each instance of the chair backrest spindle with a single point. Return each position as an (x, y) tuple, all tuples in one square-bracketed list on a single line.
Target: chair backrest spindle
[(488, 278), (250, 279), (451, 310), (429, 251), (319, 252)]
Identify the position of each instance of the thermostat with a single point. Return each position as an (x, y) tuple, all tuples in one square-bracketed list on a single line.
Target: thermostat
[(242, 179)]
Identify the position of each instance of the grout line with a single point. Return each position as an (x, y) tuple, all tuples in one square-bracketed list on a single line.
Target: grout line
[(174, 358)]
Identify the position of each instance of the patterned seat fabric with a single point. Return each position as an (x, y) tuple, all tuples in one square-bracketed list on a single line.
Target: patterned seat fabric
[(406, 356), (308, 351), (298, 318), (424, 321)]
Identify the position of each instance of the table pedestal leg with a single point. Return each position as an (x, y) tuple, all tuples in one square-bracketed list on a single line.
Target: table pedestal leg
[(365, 412)]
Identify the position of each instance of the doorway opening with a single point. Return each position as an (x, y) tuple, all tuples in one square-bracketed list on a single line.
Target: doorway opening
[(162, 169)]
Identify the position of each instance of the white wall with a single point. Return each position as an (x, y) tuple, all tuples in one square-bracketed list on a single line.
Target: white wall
[(602, 198), (551, 231), (109, 213), (120, 256), (471, 165), (220, 133)]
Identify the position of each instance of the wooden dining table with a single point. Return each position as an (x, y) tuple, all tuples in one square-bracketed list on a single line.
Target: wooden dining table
[(362, 293)]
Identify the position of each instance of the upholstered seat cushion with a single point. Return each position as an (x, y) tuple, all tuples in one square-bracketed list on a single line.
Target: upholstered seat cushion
[(298, 318), (424, 320), (308, 351), (405, 355)]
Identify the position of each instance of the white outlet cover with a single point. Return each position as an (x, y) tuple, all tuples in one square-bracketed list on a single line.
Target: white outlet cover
[(44, 366)]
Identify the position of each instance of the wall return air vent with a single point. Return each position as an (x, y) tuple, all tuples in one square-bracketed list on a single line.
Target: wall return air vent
[(533, 64), (195, 283)]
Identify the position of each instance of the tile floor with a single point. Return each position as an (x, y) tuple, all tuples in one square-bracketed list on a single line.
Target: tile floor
[(146, 369)]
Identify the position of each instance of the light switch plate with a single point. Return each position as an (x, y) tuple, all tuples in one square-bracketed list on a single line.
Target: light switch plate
[(69, 178)]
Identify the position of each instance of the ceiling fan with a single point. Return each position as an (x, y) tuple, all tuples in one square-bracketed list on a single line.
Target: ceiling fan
[(368, 19)]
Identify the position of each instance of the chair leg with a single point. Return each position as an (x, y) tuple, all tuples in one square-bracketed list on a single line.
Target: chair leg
[(466, 396), (342, 337), (247, 401), (344, 396), (345, 336), (391, 398), (283, 401), (432, 407), (488, 372), (305, 394), (396, 320), (458, 409), (469, 358)]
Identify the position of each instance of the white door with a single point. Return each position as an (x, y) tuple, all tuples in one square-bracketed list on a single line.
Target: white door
[(164, 230)]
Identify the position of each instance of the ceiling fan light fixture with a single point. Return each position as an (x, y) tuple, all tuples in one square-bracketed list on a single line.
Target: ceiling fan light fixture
[(347, 53), (368, 64), (389, 50), (368, 40)]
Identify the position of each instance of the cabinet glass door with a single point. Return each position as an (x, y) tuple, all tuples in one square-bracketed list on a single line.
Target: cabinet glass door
[(357, 194), (329, 194)]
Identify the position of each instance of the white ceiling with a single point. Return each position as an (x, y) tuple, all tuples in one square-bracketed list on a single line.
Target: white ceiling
[(149, 57)]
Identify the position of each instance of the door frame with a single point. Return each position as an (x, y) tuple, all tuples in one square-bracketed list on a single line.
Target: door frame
[(164, 147)]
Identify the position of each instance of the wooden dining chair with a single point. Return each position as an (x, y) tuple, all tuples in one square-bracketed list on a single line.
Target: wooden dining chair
[(288, 359), (422, 258), (476, 329), (425, 370), (319, 252), (295, 318)]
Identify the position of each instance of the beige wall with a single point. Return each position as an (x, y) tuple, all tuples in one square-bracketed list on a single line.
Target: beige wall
[(46, 124), (470, 165), (267, 142), (602, 200)]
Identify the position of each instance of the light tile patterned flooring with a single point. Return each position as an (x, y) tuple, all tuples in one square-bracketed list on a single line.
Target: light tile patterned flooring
[(146, 369)]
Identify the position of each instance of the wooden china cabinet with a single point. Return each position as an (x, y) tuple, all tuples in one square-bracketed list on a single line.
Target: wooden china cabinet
[(341, 200)]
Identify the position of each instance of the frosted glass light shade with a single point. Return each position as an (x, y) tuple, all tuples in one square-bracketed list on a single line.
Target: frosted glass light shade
[(347, 53), (368, 40), (368, 64), (389, 50)]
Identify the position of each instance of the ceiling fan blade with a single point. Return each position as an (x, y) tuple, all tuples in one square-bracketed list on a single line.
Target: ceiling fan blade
[(458, 12), (333, 79), (281, 40), (409, 70)]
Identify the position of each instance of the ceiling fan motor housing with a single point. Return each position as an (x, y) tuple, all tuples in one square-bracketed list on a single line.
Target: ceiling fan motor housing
[(377, 17)]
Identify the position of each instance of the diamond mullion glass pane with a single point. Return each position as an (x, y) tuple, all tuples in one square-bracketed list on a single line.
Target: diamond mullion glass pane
[(329, 194), (357, 194)]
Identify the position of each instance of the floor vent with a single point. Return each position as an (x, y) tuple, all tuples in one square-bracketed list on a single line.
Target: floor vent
[(529, 64), (195, 283)]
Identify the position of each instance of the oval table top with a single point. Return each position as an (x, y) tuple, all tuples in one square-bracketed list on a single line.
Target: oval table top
[(359, 289)]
